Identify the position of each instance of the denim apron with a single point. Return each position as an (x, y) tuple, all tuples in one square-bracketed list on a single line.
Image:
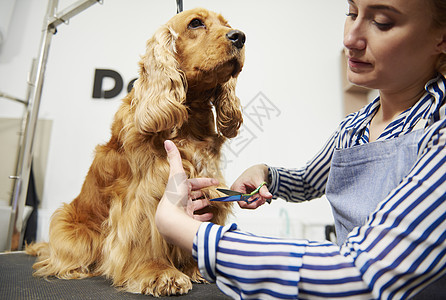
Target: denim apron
[(362, 176)]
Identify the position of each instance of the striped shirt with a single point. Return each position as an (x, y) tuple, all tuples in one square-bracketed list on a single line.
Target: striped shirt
[(399, 251)]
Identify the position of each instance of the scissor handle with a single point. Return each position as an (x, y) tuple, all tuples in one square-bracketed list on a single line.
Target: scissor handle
[(256, 190), (239, 197)]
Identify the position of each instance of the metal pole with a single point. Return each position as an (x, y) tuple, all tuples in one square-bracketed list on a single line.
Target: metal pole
[(24, 162), (51, 21), (179, 6), (6, 96)]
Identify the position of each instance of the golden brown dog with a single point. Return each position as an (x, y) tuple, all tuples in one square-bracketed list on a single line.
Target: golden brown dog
[(189, 67)]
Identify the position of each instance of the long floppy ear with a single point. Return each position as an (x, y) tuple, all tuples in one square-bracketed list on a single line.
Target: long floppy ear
[(160, 90), (227, 107)]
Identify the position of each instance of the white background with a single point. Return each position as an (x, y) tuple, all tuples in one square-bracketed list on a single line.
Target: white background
[(293, 53)]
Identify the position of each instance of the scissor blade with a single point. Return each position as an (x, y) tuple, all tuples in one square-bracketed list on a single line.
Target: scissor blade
[(228, 198), (229, 192)]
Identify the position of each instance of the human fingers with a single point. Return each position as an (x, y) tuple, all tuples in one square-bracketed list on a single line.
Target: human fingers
[(264, 192), (196, 194), (258, 199), (174, 158), (242, 184), (199, 183), (250, 179), (201, 203), (198, 205), (203, 217), (251, 205), (177, 189)]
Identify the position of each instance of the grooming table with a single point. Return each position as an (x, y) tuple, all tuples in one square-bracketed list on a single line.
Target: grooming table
[(17, 282)]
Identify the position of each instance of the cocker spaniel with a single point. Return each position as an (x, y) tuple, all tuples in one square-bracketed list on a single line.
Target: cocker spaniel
[(188, 71)]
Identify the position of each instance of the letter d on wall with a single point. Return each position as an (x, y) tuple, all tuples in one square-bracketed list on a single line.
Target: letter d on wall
[(99, 76)]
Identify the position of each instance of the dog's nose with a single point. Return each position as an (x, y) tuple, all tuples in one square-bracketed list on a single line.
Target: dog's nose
[(237, 38)]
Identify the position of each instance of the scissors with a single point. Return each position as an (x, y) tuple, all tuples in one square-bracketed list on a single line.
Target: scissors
[(237, 196)]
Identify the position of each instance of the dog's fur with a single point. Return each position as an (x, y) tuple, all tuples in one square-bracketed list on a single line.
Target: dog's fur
[(109, 229)]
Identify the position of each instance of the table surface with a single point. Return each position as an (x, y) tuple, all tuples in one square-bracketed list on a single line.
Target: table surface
[(17, 282)]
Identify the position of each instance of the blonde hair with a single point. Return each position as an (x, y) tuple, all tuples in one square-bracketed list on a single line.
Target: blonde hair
[(439, 21)]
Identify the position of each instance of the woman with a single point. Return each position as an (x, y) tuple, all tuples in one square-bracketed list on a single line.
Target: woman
[(383, 171)]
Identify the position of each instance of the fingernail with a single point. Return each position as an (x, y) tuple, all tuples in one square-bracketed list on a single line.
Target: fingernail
[(168, 145)]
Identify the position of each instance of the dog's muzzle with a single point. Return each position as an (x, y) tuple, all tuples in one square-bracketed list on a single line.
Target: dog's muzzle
[(237, 38)]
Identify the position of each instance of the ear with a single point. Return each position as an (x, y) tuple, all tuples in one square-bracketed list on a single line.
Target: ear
[(160, 90), (441, 46), (442, 43), (439, 36), (227, 107)]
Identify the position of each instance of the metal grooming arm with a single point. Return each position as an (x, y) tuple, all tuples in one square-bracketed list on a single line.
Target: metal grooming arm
[(179, 6), (51, 21), (35, 83)]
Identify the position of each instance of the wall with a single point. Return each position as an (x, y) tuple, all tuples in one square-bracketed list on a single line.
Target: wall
[(291, 72)]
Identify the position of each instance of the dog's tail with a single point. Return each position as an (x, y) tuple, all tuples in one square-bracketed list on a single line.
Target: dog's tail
[(38, 249)]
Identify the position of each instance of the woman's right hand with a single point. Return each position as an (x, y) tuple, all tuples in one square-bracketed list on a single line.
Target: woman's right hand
[(249, 181)]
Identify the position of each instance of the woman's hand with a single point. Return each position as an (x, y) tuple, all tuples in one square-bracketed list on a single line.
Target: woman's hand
[(249, 181), (175, 218)]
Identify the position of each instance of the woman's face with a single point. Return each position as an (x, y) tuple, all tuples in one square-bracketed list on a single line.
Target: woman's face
[(390, 44)]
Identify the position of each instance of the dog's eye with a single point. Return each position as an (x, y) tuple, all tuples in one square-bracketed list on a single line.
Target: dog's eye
[(196, 23)]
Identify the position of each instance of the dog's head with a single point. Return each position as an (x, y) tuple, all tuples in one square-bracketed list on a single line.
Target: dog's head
[(196, 52)]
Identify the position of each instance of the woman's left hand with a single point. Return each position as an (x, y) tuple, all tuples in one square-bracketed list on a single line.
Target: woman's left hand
[(175, 218)]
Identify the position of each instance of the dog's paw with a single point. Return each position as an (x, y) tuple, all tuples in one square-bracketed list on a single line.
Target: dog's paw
[(197, 278), (162, 283), (168, 283)]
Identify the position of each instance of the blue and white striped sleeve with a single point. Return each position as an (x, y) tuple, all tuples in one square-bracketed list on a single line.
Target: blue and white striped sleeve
[(296, 185), (398, 252), (247, 266), (205, 244)]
